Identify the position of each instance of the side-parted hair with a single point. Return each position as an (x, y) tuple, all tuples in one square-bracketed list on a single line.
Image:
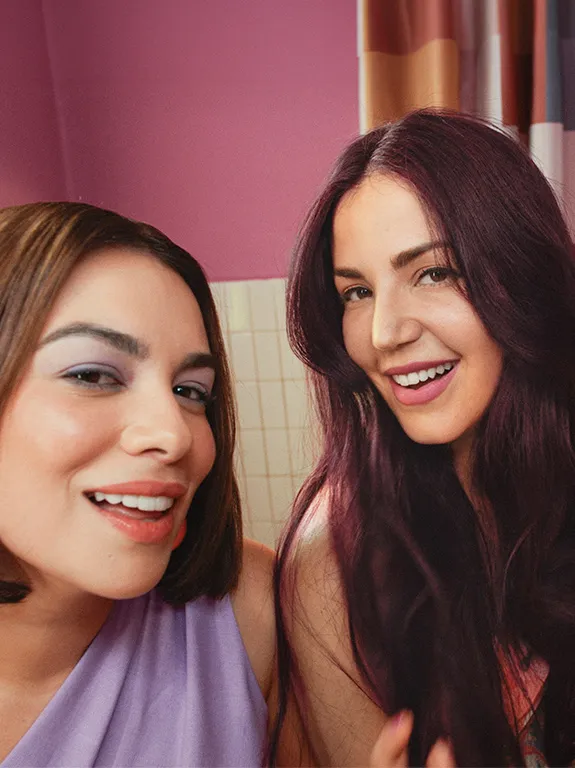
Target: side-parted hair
[(442, 596), (40, 244)]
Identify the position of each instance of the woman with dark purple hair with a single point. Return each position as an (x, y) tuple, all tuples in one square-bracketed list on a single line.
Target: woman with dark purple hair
[(426, 582)]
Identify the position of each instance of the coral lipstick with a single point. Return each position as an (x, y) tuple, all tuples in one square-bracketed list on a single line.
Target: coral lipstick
[(143, 510), (141, 527)]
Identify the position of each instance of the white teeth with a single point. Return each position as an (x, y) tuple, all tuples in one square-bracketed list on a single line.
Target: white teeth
[(163, 503), (410, 379), (146, 503), (143, 503)]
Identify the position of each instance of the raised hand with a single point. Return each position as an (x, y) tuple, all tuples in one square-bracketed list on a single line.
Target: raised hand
[(390, 750)]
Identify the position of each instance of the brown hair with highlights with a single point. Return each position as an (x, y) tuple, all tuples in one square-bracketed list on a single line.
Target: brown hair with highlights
[(40, 244)]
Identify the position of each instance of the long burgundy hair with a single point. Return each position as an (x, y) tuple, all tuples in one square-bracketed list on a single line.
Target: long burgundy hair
[(437, 592)]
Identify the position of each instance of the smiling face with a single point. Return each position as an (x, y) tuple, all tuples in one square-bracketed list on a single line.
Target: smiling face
[(406, 322), (105, 441)]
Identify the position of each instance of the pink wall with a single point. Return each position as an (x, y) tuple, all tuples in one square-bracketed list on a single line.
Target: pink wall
[(30, 157), (216, 120)]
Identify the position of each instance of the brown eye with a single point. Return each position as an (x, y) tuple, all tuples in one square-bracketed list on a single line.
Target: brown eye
[(435, 275), (89, 377), (356, 293), (193, 393), (94, 378)]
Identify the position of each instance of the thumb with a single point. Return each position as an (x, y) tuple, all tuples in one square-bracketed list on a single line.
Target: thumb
[(441, 755), (390, 750)]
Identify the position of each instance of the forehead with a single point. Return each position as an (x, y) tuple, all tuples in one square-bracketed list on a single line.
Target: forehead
[(133, 292), (379, 218)]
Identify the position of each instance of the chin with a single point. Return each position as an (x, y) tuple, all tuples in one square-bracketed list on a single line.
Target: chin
[(124, 586), (433, 434), (123, 591)]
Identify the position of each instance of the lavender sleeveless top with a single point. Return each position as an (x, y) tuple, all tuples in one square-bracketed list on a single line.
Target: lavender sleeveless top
[(158, 686)]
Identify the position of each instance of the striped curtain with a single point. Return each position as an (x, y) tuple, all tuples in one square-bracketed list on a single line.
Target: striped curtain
[(512, 61)]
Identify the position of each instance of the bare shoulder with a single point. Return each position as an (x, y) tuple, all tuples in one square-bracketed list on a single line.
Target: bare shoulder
[(254, 609), (253, 606), (341, 719), (313, 602)]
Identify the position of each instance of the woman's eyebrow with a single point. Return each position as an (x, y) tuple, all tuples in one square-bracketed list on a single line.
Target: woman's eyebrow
[(124, 342), (197, 360), (400, 260), (127, 344), (352, 274), (403, 258)]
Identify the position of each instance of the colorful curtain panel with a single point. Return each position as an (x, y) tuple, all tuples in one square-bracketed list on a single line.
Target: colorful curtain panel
[(512, 61)]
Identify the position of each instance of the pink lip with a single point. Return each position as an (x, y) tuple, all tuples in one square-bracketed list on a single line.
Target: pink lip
[(415, 367), (144, 488), (430, 390)]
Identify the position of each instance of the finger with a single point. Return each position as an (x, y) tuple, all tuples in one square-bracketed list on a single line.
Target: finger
[(441, 755), (390, 750)]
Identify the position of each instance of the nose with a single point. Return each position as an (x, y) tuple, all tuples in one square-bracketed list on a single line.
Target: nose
[(393, 324), (157, 425)]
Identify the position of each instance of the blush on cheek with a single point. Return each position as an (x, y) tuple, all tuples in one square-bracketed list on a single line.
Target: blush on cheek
[(204, 452), (357, 340), (79, 435)]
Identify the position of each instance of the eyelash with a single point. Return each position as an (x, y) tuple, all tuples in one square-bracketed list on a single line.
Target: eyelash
[(346, 296), (204, 397), (75, 374), (199, 395), (445, 272)]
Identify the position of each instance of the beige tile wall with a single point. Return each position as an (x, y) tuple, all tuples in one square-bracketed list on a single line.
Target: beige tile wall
[(275, 445)]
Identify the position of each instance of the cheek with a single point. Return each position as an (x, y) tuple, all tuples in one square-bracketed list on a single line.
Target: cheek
[(204, 451), (486, 371), (56, 434), (356, 328), (482, 352), (483, 360)]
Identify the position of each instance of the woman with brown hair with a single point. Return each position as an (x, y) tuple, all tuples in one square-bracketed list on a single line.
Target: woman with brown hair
[(136, 626)]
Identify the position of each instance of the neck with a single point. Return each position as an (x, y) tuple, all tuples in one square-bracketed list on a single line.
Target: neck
[(43, 637)]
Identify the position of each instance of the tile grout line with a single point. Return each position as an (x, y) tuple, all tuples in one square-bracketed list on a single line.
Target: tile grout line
[(287, 512), (259, 396), (239, 467)]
